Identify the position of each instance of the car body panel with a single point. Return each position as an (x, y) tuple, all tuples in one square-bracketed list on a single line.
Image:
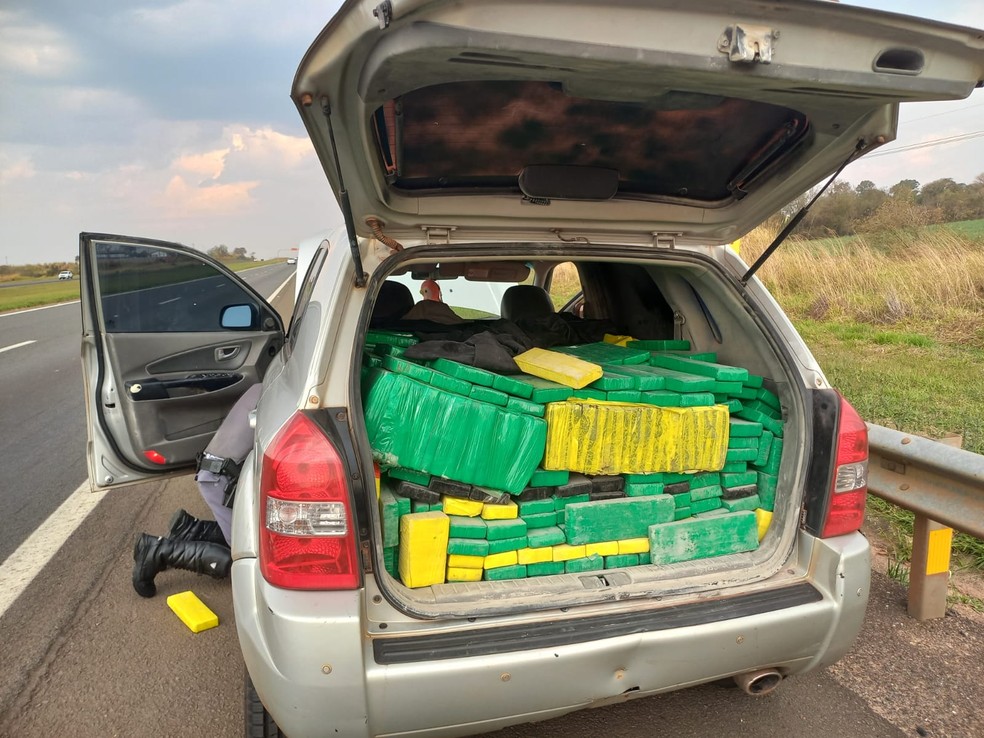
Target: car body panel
[(161, 371), (845, 68)]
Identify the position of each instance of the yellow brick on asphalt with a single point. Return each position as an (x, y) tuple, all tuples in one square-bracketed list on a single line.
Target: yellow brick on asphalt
[(457, 574), (500, 511), (566, 552), (633, 546), (535, 555), (605, 548), (463, 507), (506, 558), (193, 612), (423, 548), (461, 561)]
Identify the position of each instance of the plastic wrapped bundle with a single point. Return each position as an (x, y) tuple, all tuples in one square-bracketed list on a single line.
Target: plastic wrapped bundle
[(421, 427), (595, 437)]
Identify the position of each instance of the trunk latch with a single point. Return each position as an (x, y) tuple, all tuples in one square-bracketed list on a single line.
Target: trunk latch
[(438, 234), (748, 44)]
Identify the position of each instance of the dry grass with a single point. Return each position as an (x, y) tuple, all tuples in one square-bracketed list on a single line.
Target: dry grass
[(929, 280)]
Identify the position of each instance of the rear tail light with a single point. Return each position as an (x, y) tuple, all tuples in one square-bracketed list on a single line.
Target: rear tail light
[(307, 540), (849, 485)]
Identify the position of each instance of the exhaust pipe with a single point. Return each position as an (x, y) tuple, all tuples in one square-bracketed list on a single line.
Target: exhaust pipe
[(760, 682)]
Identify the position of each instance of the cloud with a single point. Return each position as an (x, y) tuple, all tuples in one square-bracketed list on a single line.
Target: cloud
[(22, 168), (183, 198), (210, 164), (31, 48)]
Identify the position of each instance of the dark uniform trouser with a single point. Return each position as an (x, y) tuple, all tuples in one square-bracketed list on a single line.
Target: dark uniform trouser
[(233, 440)]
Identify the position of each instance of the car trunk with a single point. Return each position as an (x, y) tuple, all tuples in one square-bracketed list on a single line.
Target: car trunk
[(677, 304)]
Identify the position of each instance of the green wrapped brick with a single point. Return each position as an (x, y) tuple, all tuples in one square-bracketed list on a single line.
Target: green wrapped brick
[(683, 382), (487, 394), (732, 404), (704, 479), (418, 507), (501, 545), (716, 512), (470, 374), (545, 568), (705, 505), (642, 377), (402, 366), (696, 399), (605, 353), (462, 527), (743, 428), (512, 386), (734, 467), (450, 384), (415, 425), (499, 529), (516, 571), (372, 361), (767, 490), (633, 396), (543, 537), (409, 475), (745, 393), (660, 345), (769, 399), (543, 391), (681, 513), (391, 560), (389, 514), (661, 398), (561, 502), (705, 493), (742, 503), (468, 546), (388, 349), (519, 405), (770, 424), (644, 489), (738, 480), (610, 382), (588, 393), (740, 454), (617, 561), (700, 538), (535, 507), (764, 447), (585, 563), (613, 520), (681, 499), (754, 381), (719, 372), (727, 388), (540, 520), (743, 442), (645, 478), (391, 337), (549, 477), (771, 466)]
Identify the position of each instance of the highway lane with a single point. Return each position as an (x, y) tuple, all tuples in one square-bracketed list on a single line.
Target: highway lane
[(42, 416)]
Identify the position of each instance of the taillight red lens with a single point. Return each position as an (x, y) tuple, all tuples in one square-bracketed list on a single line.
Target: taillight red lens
[(849, 486), (307, 540)]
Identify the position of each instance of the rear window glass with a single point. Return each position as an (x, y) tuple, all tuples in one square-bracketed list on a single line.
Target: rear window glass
[(466, 135)]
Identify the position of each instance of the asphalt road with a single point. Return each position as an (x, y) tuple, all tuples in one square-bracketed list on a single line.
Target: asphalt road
[(42, 417)]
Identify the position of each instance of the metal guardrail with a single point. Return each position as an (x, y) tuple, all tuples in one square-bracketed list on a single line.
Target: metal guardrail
[(929, 478), (944, 486)]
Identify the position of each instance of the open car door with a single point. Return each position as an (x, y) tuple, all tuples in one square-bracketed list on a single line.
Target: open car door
[(170, 340)]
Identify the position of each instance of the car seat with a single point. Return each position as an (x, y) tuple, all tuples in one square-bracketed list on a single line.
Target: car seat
[(392, 303), (525, 301)]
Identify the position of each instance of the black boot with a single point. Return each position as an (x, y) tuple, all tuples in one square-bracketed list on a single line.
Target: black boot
[(186, 527), (154, 554)]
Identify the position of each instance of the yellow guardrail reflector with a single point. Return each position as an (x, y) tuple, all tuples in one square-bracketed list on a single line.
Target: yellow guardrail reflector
[(938, 551)]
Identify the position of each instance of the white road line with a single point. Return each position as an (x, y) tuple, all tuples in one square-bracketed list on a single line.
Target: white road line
[(16, 345), (20, 568), (173, 299), (43, 307)]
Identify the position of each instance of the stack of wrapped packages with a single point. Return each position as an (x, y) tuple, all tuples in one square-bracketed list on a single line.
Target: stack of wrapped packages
[(598, 456)]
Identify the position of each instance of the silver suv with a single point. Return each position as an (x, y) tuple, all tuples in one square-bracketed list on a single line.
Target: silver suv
[(603, 155)]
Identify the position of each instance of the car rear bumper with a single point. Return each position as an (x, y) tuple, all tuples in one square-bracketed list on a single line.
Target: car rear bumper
[(317, 667)]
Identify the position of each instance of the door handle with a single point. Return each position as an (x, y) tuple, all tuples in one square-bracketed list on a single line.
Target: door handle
[(225, 353)]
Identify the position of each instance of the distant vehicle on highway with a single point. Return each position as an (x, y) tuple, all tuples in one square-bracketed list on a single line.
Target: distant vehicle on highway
[(65, 275), (291, 259)]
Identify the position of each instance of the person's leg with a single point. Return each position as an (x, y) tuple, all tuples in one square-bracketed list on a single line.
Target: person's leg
[(154, 554)]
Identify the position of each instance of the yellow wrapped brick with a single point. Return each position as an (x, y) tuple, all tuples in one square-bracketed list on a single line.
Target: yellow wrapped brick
[(763, 518), (506, 558), (461, 506), (617, 340), (423, 548), (463, 561), (566, 552), (633, 546), (456, 574), (500, 511), (569, 371), (535, 555), (605, 548), (193, 612), (598, 437)]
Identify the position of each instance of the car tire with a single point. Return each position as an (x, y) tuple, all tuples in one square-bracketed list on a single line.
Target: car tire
[(259, 724)]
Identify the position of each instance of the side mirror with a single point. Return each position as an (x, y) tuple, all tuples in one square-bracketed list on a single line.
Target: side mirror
[(239, 317)]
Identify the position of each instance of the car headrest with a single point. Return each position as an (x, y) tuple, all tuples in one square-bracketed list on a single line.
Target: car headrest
[(525, 301), (392, 302)]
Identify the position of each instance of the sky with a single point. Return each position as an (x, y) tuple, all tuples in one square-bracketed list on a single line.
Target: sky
[(172, 119)]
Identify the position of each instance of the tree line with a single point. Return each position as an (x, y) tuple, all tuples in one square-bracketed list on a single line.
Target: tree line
[(845, 210)]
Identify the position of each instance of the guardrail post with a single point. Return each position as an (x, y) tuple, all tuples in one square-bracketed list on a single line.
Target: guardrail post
[(929, 570)]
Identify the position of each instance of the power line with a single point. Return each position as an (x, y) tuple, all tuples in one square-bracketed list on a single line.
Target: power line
[(927, 144), (945, 112)]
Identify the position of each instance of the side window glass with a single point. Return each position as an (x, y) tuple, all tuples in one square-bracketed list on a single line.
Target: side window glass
[(304, 295), (565, 286), (154, 289)]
